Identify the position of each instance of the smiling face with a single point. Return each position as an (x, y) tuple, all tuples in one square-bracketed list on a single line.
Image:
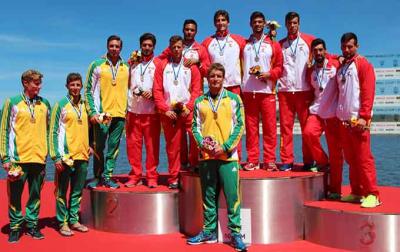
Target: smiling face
[(221, 23), (114, 48), (32, 86), (215, 81), (257, 25), (74, 88)]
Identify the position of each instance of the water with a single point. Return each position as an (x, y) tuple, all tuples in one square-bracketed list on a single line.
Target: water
[(386, 150)]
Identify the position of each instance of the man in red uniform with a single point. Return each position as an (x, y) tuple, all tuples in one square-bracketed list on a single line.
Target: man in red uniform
[(259, 92), (194, 54), (175, 89), (295, 95), (143, 123), (356, 80), (225, 48), (322, 118)]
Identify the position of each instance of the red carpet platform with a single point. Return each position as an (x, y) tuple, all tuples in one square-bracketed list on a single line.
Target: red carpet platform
[(348, 226), (101, 241)]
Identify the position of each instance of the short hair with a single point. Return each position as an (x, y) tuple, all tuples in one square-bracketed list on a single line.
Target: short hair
[(348, 36), (318, 41), (189, 21), (216, 66), (256, 14), (290, 15), (73, 77), (147, 36), (29, 74), (175, 38), (114, 37), (223, 13)]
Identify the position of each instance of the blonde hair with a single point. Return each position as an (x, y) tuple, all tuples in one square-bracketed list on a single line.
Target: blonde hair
[(28, 75)]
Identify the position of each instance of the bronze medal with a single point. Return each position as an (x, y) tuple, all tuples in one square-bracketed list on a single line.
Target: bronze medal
[(215, 115), (80, 121), (257, 59), (114, 82), (33, 120)]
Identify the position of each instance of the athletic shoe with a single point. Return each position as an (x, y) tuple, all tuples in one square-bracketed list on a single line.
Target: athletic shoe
[(35, 233), (202, 237), (133, 182), (271, 167), (370, 201), (251, 166), (286, 167), (173, 186), (109, 183), (333, 196), (351, 198), (93, 184), (310, 167), (14, 236), (237, 242)]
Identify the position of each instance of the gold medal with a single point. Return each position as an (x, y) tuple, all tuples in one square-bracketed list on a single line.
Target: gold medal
[(33, 120), (114, 82), (215, 115), (79, 121)]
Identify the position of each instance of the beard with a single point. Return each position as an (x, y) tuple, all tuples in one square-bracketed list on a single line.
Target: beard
[(319, 60)]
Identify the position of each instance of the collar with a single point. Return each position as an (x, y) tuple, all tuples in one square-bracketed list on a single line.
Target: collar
[(293, 37), (222, 34), (350, 60), (147, 58), (71, 98)]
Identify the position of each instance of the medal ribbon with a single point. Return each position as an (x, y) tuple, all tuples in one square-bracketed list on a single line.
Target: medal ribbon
[(215, 108), (77, 112), (31, 105), (176, 74), (142, 72), (257, 51), (320, 79), (221, 49), (295, 48), (344, 69), (186, 49), (114, 70)]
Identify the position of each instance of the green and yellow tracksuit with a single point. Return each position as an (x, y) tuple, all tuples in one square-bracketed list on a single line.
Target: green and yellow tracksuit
[(105, 93), (23, 141), (226, 127), (69, 139)]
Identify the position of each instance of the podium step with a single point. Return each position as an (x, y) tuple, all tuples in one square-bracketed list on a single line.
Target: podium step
[(348, 226)]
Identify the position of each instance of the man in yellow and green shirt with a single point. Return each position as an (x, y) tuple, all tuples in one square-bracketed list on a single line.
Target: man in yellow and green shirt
[(218, 124), (106, 91), (69, 148), (23, 143)]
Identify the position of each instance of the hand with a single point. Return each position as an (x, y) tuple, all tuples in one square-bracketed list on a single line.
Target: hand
[(263, 76), (218, 151), (340, 59), (95, 119), (147, 94), (59, 166), (361, 124), (190, 62), (185, 112), (6, 166), (171, 115)]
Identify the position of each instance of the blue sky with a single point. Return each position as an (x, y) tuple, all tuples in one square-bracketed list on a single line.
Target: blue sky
[(58, 37)]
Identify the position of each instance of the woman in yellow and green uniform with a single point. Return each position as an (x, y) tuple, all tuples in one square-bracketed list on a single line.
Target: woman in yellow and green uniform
[(69, 148), (23, 145)]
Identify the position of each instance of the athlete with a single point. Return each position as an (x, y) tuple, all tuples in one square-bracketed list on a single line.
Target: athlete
[(106, 93), (23, 151), (69, 148), (356, 80), (262, 66), (143, 123), (322, 118), (175, 89), (225, 48), (295, 95), (218, 123), (194, 54)]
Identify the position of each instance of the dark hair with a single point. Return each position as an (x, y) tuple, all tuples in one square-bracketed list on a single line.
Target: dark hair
[(348, 36), (216, 66), (318, 41), (256, 14), (73, 77), (174, 39), (114, 37), (290, 15), (223, 13), (147, 36), (189, 21)]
